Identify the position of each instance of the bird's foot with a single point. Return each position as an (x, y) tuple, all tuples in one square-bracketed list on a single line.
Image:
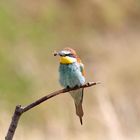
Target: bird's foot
[(68, 87), (87, 84), (76, 86)]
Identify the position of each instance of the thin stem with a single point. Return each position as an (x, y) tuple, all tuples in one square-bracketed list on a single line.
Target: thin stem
[(37, 102), (19, 110)]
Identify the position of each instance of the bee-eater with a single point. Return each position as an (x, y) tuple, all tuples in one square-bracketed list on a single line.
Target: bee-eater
[(71, 74)]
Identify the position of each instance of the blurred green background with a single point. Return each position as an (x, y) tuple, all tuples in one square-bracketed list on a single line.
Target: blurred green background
[(106, 35)]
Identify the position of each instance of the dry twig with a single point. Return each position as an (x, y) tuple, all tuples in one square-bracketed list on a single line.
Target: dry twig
[(19, 110)]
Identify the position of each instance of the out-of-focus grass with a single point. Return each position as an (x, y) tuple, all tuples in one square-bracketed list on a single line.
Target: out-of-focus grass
[(105, 35), (13, 86)]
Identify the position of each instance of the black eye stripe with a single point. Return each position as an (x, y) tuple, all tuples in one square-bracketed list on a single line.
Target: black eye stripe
[(71, 55)]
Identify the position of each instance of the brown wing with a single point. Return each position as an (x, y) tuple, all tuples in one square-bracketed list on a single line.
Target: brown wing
[(82, 69)]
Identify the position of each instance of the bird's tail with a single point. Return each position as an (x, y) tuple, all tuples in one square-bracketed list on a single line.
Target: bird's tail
[(79, 111)]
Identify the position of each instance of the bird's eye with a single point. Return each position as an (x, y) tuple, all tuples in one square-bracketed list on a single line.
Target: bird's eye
[(70, 55)]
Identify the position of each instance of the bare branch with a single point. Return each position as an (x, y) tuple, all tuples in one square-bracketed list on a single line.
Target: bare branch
[(28, 107), (19, 110), (14, 123)]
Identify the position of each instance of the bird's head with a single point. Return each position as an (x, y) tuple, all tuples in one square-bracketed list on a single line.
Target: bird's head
[(67, 56)]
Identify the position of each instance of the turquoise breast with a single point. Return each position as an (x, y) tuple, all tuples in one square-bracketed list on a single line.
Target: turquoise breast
[(70, 75)]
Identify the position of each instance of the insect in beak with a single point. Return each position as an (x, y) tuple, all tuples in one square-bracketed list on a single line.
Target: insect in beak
[(55, 53)]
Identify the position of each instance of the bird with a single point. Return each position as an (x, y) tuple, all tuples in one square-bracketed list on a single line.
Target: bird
[(72, 74)]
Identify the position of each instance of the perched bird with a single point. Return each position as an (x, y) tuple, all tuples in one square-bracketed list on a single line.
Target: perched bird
[(71, 71)]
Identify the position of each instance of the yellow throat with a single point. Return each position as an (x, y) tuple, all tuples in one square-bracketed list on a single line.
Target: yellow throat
[(67, 60)]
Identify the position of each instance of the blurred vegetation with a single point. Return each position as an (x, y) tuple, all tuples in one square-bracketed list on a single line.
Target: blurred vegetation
[(106, 35)]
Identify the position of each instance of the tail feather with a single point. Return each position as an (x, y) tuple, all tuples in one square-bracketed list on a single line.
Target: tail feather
[(79, 111), (78, 99), (81, 121)]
